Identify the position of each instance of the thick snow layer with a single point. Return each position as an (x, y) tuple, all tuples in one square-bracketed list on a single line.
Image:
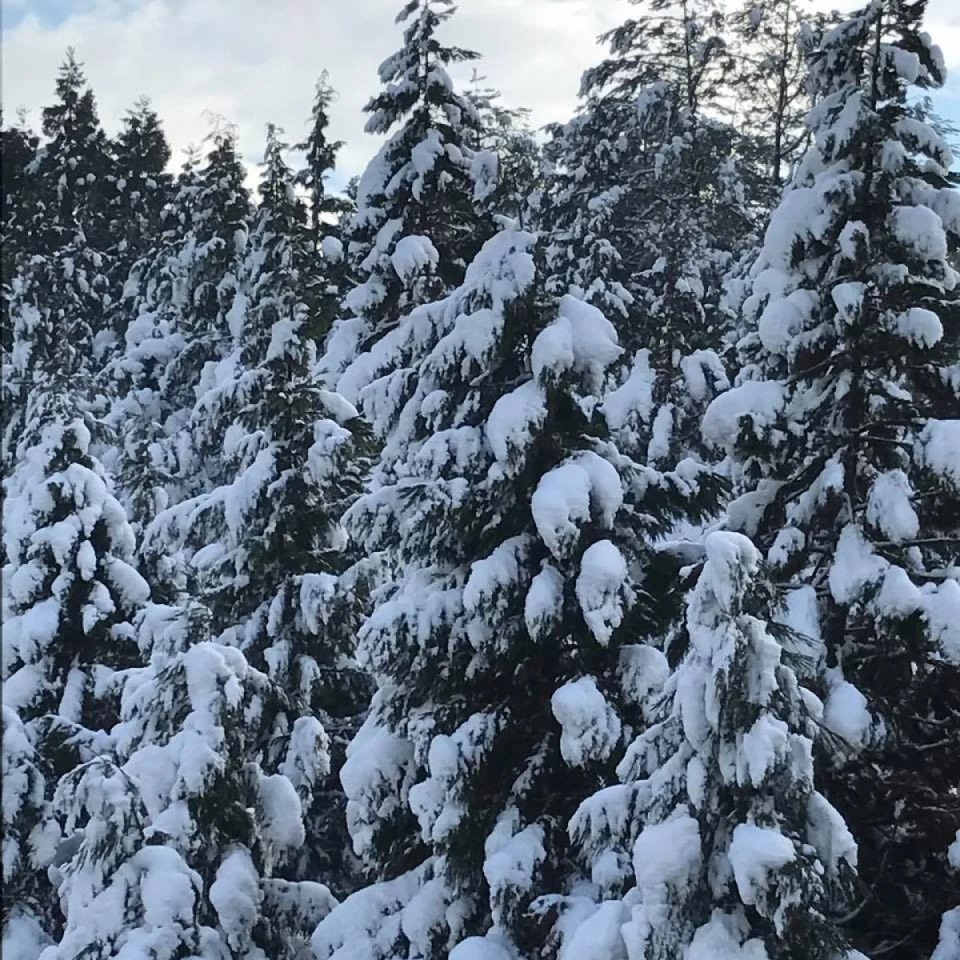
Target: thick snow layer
[(514, 420), (413, 254), (920, 326), (755, 852), (761, 401), (581, 339), (591, 727), (235, 895), (939, 449), (949, 946), (543, 605), (569, 495), (723, 939), (889, 508), (855, 566), (481, 948), (920, 229), (600, 585), (845, 710)]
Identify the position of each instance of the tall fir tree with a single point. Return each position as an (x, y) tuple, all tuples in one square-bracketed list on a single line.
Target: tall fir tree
[(416, 225), (717, 834), (267, 543), (844, 429), (504, 638)]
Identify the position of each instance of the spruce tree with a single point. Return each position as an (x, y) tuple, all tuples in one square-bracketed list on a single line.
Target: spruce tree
[(75, 166), (717, 841), (416, 225), (142, 187), (503, 641), (844, 430)]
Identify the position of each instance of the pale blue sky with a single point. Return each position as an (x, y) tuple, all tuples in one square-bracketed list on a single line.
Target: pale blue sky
[(255, 61)]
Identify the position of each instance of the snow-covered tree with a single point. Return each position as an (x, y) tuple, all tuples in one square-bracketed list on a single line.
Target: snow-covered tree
[(30, 838), (503, 641), (646, 211), (716, 843), (506, 133), (416, 225), (75, 166), (214, 784), (845, 432), (266, 544), (141, 189)]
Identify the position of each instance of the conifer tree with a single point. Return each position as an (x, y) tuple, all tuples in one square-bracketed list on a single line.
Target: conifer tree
[(503, 641), (416, 226), (505, 132), (845, 432), (18, 154), (647, 209), (75, 165), (320, 158), (717, 833), (266, 543), (142, 188)]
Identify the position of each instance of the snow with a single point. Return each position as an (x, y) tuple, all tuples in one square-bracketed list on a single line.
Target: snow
[(514, 864), (920, 229), (764, 745), (569, 495), (411, 255), (722, 939), (481, 948), (949, 946), (543, 605), (332, 249), (845, 710), (600, 584), (580, 339), (666, 855), (760, 401), (920, 326), (889, 509), (938, 448), (591, 727), (754, 852), (235, 895), (854, 567), (514, 419)]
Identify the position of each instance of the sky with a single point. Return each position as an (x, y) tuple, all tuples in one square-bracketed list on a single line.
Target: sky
[(256, 61)]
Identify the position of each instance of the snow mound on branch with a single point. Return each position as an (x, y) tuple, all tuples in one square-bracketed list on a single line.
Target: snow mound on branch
[(761, 401), (603, 573), (581, 339), (754, 852), (570, 495), (591, 728)]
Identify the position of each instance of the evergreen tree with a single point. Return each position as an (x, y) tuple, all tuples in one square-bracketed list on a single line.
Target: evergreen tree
[(141, 189), (717, 833), (844, 430), (647, 209), (75, 165), (416, 226), (270, 544), (319, 162), (18, 154), (506, 134), (211, 782), (517, 562)]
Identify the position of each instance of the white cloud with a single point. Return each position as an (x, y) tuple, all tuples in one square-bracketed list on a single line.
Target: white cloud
[(256, 61)]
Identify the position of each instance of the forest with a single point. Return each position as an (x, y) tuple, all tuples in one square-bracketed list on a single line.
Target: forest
[(545, 549)]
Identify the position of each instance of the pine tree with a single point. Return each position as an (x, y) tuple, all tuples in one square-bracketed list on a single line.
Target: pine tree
[(717, 833), (844, 431), (75, 165), (416, 226), (516, 558), (646, 208), (141, 189)]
